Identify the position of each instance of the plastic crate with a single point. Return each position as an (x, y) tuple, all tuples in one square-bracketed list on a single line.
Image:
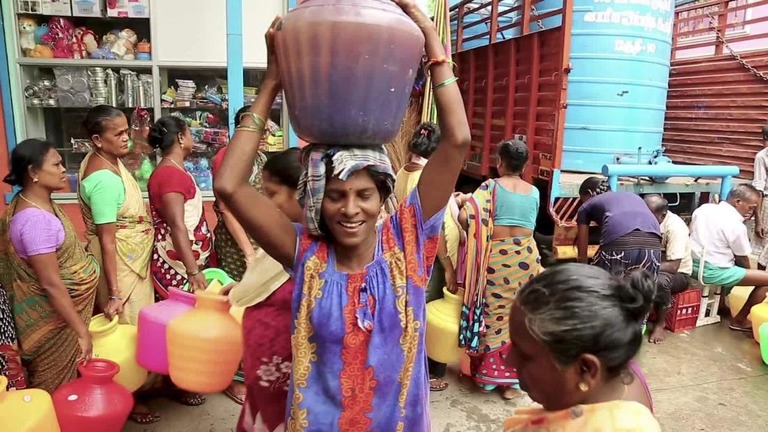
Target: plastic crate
[(684, 311)]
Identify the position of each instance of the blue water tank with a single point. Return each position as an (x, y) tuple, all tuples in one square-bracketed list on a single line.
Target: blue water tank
[(485, 27), (617, 89)]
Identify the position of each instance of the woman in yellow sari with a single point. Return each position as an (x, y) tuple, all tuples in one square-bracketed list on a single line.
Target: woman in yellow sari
[(118, 230), (575, 330), (51, 278)]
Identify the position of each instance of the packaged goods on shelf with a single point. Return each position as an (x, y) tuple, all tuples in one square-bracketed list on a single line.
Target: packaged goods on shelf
[(88, 8), (128, 8), (44, 7)]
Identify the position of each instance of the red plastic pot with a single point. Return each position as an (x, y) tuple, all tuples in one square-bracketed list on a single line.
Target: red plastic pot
[(93, 402)]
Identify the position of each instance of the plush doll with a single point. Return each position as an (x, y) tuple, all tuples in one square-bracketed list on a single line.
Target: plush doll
[(41, 51), (124, 47), (105, 49), (27, 27), (84, 44)]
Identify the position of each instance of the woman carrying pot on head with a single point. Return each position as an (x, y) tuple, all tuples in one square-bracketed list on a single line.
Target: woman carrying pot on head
[(502, 256), (52, 278), (183, 242), (359, 301), (117, 227), (575, 333), (266, 293), (630, 235)]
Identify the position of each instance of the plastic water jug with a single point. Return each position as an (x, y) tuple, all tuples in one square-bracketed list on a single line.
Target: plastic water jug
[(737, 297), (764, 344), (443, 321), (152, 346), (93, 402), (205, 346), (348, 67), (218, 279), (26, 410), (759, 315), (117, 342)]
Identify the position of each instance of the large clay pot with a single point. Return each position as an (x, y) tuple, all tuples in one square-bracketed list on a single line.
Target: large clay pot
[(205, 346), (93, 402), (26, 410), (443, 321), (152, 346), (348, 67), (117, 342), (759, 316)]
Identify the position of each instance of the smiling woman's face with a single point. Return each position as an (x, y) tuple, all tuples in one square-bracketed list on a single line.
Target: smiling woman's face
[(351, 209)]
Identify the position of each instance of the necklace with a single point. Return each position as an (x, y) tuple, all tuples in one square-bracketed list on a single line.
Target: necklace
[(31, 202), (178, 166), (110, 163)]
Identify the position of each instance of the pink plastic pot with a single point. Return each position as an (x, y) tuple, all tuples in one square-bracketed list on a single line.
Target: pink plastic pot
[(152, 349)]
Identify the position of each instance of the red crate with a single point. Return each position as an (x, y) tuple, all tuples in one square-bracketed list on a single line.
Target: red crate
[(684, 310)]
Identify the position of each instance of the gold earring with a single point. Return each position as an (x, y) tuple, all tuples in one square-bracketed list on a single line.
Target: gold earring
[(35, 180), (583, 387)]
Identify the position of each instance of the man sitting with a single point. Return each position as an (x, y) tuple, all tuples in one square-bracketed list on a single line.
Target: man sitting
[(720, 248), (676, 265)]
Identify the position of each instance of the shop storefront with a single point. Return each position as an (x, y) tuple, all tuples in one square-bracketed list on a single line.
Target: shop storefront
[(166, 57)]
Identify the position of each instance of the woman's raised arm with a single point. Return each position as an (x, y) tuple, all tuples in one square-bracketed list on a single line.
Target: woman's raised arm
[(270, 228), (438, 179)]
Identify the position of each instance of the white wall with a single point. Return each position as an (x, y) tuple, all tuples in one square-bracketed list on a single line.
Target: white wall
[(194, 31)]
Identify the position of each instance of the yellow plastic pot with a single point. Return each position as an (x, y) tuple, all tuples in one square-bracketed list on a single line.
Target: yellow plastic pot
[(215, 287), (443, 321), (759, 316), (28, 410), (117, 342)]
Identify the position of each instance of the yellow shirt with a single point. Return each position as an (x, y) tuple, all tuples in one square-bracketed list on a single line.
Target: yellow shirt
[(405, 183)]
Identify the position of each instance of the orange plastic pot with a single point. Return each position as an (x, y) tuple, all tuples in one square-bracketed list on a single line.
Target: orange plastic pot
[(205, 346)]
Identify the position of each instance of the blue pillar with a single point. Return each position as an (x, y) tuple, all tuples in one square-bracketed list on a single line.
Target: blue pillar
[(5, 93), (234, 60), (613, 183), (293, 140), (726, 184)]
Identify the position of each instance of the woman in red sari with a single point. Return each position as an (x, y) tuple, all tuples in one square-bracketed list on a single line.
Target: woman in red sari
[(267, 319), (183, 242)]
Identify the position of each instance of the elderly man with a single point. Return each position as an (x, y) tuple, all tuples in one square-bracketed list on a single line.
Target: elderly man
[(676, 265), (760, 182), (720, 248)]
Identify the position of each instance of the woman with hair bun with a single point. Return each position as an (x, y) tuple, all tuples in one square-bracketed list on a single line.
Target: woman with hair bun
[(502, 256), (183, 242), (630, 236), (51, 277), (576, 331)]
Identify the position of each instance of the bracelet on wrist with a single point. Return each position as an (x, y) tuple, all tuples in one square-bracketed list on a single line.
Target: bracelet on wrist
[(193, 273), (115, 297)]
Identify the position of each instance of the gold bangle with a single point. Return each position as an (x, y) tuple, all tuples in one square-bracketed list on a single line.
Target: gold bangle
[(260, 123), (445, 83), (249, 129)]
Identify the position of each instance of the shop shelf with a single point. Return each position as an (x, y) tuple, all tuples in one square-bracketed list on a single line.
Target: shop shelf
[(53, 62)]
